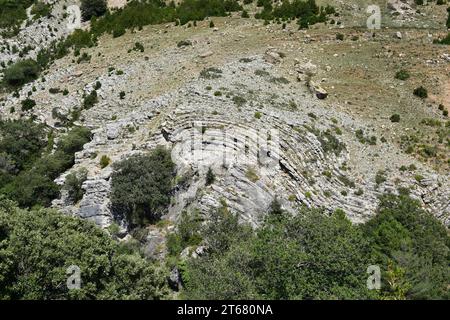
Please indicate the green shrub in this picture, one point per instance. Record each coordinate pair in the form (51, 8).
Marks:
(184, 43)
(118, 32)
(448, 20)
(141, 185)
(35, 184)
(380, 177)
(339, 36)
(41, 9)
(395, 118)
(421, 92)
(402, 75)
(21, 72)
(187, 233)
(92, 8)
(54, 90)
(90, 100)
(73, 183)
(21, 143)
(211, 73)
(210, 177)
(330, 143)
(138, 47)
(411, 241)
(104, 161)
(288, 257)
(28, 104)
(12, 13)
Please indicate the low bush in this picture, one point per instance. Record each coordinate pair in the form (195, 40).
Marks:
(104, 161)
(39, 246)
(73, 184)
(28, 104)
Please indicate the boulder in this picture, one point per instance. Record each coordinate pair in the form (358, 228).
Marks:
(316, 89)
(272, 57)
(205, 54)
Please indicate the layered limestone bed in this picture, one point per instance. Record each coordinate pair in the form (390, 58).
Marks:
(264, 137)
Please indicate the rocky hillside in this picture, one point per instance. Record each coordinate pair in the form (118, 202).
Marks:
(303, 116)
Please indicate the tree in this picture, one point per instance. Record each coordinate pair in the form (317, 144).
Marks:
(21, 72)
(93, 8)
(141, 185)
(22, 140)
(38, 246)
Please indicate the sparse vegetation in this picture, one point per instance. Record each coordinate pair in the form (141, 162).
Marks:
(211, 73)
(73, 184)
(28, 104)
(104, 161)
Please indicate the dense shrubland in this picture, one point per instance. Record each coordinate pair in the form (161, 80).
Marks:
(12, 13)
(37, 247)
(315, 256)
(93, 8)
